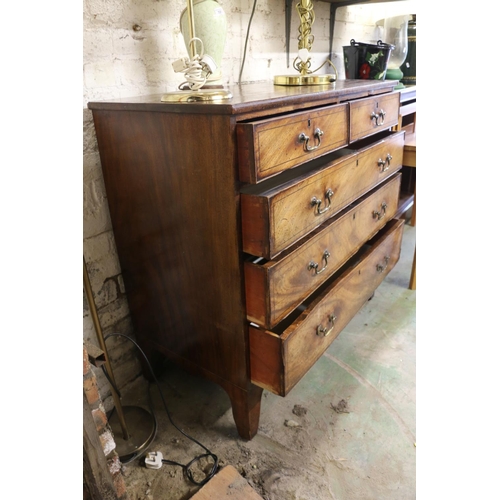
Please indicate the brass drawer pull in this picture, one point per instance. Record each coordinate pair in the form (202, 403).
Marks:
(322, 331)
(315, 265)
(315, 202)
(384, 165)
(305, 139)
(381, 268)
(378, 116)
(381, 214)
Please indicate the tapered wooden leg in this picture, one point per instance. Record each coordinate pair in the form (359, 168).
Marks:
(246, 409)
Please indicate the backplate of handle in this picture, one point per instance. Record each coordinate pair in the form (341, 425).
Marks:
(379, 215)
(322, 331)
(315, 265)
(305, 139)
(384, 165)
(381, 268)
(378, 117)
(316, 202)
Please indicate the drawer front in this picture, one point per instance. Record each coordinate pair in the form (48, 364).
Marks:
(274, 220)
(279, 359)
(268, 147)
(275, 288)
(372, 115)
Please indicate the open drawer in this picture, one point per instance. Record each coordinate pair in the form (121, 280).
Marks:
(280, 358)
(275, 214)
(269, 146)
(274, 288)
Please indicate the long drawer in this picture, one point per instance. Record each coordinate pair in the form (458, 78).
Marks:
(273, 145)
(275, 216)
(281, 357)
(275, 288)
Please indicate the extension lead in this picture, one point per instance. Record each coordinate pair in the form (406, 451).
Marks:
(154, 460)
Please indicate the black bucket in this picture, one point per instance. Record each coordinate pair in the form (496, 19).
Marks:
(366, 61)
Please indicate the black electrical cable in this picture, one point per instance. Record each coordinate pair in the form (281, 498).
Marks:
(106, 374)
(187, 467)
(246, 41)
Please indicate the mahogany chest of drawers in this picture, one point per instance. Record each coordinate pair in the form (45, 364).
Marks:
(250, 232)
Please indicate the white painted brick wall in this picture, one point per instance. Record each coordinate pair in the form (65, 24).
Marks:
(120, 61)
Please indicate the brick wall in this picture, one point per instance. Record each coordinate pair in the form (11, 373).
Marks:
(91, 392)
(129, 48)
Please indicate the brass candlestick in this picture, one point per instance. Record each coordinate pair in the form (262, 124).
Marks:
(137, 426)
(302, 63)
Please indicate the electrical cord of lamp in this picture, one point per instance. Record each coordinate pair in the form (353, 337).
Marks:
(186, 467)
(246, 43)
(246, 40)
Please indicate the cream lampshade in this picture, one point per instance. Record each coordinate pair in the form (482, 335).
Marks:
(210, 24)
(204, 28)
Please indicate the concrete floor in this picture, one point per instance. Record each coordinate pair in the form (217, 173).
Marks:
(361, 449)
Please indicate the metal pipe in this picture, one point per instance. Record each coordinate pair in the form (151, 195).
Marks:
(102, 344)
(192, 34)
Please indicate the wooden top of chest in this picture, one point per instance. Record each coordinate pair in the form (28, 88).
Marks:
(254, 99)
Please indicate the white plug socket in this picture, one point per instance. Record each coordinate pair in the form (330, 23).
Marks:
(154, 460)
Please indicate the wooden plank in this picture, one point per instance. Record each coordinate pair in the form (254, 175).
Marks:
(227, 483)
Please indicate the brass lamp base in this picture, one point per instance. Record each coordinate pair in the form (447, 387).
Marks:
(196, 95)
(141, 427)
(304, 79)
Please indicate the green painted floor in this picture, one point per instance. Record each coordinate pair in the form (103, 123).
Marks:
(347, 431)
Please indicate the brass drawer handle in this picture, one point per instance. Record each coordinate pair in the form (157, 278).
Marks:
(315, 265)
(305, 139)
(384, 165)
(381, 214)
(322, 331)
(378, 116)
(381, 268)
(315, 202)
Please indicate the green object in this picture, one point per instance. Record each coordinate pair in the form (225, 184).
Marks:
(409, 67)
(395, 74)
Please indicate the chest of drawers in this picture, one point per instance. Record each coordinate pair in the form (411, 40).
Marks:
(250, 232)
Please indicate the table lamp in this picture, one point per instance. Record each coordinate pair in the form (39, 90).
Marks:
(302, 63)
(202, 68)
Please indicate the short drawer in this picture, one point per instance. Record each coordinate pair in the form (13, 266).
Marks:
(268, 147)
(275, 288)
(372, 115)
(274, 217)
(281, 357)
